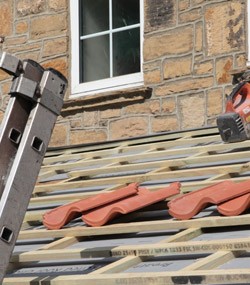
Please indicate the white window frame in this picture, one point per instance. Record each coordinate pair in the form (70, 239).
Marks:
(103, 85)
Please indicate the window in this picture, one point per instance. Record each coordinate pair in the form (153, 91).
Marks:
(106, 37)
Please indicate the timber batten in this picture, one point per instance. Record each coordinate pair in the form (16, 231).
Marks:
(147, 246)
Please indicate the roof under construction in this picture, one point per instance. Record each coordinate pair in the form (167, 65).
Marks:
(147, 246)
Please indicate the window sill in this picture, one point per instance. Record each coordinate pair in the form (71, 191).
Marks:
(109, 99)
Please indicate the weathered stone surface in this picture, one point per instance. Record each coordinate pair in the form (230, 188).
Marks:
(159, 14)
(223, 68)
(149, 107)
(225, 27)
(3, 75)
(90, 119)
(153, 77)
(48, 25)
(184, 5)
(1, 116)
(176, 67)
(168, 105)
(214, 101)
(87, 136)
(128, 127)
(151, 65)
(241, 61)
(110, 113)
(192, 111)
(177, 41)
(205, 67)
(17, 41)
(190, 16)
(58, 4)
(60, 135)
(27, 7)
(22, 27)
(184, 85)
(197, 2)
(60, 64)
(55, 47)
(6, 18)
(164, 123)
(76, 123)
(199, 37)
(5, 87)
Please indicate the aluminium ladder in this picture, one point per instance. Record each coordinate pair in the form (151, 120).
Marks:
(36, 99)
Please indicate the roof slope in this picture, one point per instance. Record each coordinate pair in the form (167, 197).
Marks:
(147, 246)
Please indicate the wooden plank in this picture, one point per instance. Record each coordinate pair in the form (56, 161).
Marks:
(214, 260)
(157, 249)
(81, 231)
(147, 155)
(182, 247)
(130, 261)
(139, 148)
(178, 174)
(230, 276)
(201, 152)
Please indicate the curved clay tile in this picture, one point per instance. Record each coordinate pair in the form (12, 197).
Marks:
(143, 198)
(190, 204)
(60, 216)
(235, 206)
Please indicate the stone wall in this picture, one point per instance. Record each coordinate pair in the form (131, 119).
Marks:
(190, 50)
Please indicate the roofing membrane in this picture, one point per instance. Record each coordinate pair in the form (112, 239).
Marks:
(147, 246)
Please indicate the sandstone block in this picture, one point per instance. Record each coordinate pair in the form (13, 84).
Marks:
(57, 5)
(241, 61)
(6, 18)
(87, 136)
(183, 5)
(177, 67)
(3, 75)
(59, 136)
(60, 64)
(223, 68)
(168, 105)
(22, 27)
(48, 25)
(199, 37)
(224, 27)
(27, 7)
(152, 77)
(110, 113)
(55, 47)
(159, 14)
(205, 67)
(76, 123)
(214, 102)
(128, 127)
(164, 123)
(90, 119)
(149, 107)
(173, 42)
(190, 16)
(192, 111)
(184, 85)
(197, 2)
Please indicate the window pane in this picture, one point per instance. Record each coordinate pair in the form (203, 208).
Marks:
(125, 12)
(95, 59)
(94, 15)
(126, 52)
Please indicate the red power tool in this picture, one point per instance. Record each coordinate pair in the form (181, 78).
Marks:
(234, 124)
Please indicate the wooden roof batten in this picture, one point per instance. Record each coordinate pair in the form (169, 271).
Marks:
(147, 246)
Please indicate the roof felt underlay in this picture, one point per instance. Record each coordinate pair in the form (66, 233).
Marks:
(147, 246)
